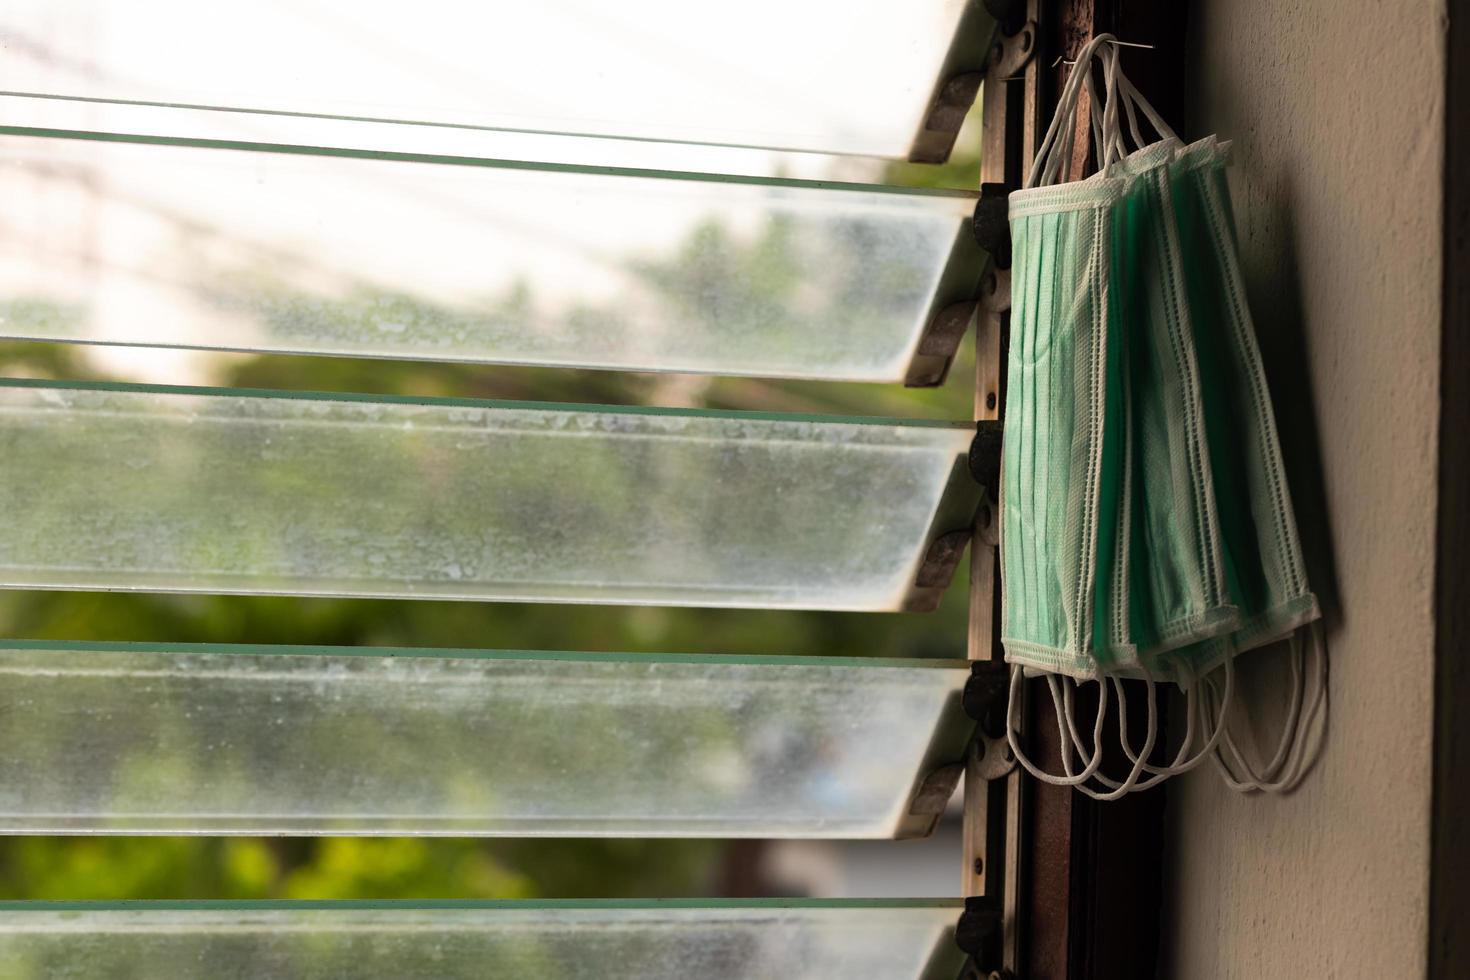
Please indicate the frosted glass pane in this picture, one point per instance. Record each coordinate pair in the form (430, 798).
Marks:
(262, 740)
(192, 490)
(525, 941)
(393, 255)
(851, 76)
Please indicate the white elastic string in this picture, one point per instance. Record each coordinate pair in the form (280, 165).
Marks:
(1012, 739)
(1048, 161)
(1314, 722)
(1191, 723)
(1098, 114)
(1099, 136)
(1130, 784)
(1103, 116)
(1294, 710)
(1138, 759)
(1114, 146)
(1197, 721)
(1061, 149)
(1131, 93)
(1060, 698)
(1067, 711)
(1206, 707)
(1062, 701)
(1132, 122)
(1207, 750)
(1112, 139)
(1228, 759)
(1064, 117)
(1296, 747)
(1195, 724)
(1056, 146)
(1191, 727)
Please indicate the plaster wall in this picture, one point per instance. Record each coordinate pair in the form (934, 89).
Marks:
(1336, 110)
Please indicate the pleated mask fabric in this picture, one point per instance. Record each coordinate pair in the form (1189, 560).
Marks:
(1263, 554)
(1053, 452)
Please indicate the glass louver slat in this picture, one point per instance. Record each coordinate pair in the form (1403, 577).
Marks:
(123, 487)
(33, 114)
(314, 251)
(146, 738)
(839, 76)
(590, 940)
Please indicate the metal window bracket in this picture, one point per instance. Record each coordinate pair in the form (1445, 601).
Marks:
(957, 83)
(984, 457)
(939, 342)
(940, 561)
(984, 700)
(995, 291)
(1010, 14)
(978, 934)
(991, 224)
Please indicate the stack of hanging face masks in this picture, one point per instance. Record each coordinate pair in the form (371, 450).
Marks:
(1146, 526)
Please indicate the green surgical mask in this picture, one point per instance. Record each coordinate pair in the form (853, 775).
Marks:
(1263, 555)
(1146, 530)
(1168, 569)
(1112, 548)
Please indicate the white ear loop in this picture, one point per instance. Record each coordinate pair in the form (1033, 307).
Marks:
(1056, 147)
(1103, 114)
(1132, 102)
(1048, 161)
(1132, 119)
(1133, 98)
(1061, 699)
(1192, 729)
(1299, 737)
(1129, 785)
(1119, 788)
(1196, 722)
(1112, 148)
(1042, 172)
(1288, 730)
(1070, 779)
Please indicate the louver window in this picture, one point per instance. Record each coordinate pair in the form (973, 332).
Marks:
(563, 188)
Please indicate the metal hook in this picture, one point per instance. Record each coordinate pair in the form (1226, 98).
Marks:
(1063, 61)
(1121, 44)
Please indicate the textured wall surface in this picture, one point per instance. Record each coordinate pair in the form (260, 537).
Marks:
(1336, 112)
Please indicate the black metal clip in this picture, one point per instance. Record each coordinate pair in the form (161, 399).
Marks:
(992, 223)
(985, 700)
(984, 457)
(1010, 14)
(979, 930)
(984, 697)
